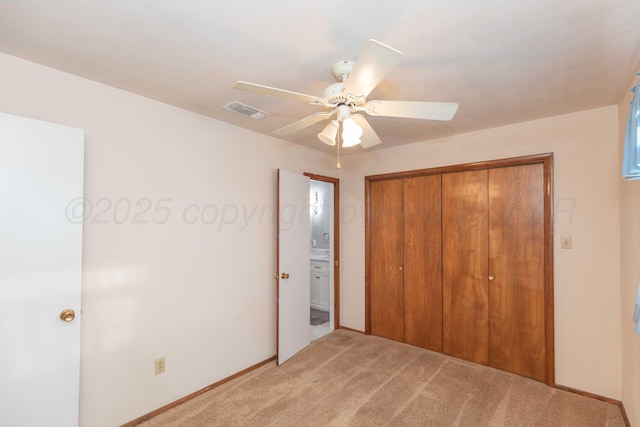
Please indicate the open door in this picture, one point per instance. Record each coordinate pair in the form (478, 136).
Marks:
(293, 264)
(41, 178)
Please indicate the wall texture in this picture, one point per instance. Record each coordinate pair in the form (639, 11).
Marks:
(188, 273)
(630, 276)
(586, 187)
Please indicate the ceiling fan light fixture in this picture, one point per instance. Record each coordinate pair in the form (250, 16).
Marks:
(351, 142)
(328, 134)
(351, 132)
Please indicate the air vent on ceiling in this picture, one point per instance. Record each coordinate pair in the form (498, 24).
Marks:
(248, 111)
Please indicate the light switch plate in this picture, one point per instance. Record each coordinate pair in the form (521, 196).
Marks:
(159, 366)
(565, 242)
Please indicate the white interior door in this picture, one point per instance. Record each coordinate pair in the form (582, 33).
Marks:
(41, 178)
(293, 264)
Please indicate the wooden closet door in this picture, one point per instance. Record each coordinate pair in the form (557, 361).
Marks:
(465, 269)
(423, 262)
(386, 298)
(516, 259)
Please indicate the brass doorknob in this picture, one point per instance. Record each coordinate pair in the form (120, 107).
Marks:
(401, 268)
(285, 275)
(67, 315)
(491, 277)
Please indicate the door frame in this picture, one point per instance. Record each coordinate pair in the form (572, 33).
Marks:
(547, 160)
(336, 243)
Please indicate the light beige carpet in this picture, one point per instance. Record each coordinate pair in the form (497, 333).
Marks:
(349, 379)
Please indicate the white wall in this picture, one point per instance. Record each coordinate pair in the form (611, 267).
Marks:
(630, 276)
(202, 295)
(587, 338)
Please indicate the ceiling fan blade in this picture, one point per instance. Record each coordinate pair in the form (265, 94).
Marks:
(266, 90)
(412, 110)
(369, 137)
(302, 123)
(373, 64)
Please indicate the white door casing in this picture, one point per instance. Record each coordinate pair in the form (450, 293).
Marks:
(41, 176)
(332, 257)
(293, 260)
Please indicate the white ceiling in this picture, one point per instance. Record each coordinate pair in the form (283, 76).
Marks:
(503, 61)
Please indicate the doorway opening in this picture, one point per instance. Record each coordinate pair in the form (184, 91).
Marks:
(323, 256)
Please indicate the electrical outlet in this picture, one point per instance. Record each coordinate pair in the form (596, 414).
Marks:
(565, 242)
(159, 366)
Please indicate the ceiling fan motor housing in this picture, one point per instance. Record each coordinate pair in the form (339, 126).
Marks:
(342, 69)
(333, 93)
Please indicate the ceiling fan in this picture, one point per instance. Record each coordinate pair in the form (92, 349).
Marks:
(347, 98)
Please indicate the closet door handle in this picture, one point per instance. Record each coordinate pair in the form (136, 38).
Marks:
(491, 277)
(401, 268)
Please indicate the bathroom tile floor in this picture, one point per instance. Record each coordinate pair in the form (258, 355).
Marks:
(318, 317)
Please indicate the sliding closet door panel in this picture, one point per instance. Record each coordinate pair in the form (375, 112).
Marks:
(385, 231)
(465, 269)
(423, 262)
(516, 260)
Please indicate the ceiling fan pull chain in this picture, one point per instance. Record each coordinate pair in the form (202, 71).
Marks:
(339, 143)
